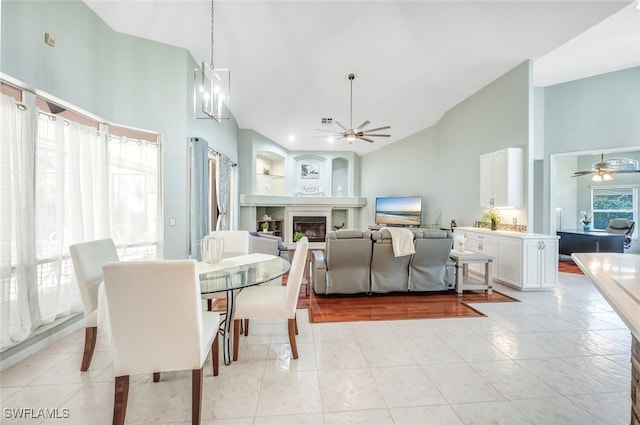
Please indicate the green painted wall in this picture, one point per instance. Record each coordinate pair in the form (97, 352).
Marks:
(442, 164)
(408, 167)
(595, 114)
(123, 79)
(77, 68)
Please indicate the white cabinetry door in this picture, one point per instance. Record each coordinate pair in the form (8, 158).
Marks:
(541, 263)
(501, 178)
(549, 266)
(486, 179)
(510, 261)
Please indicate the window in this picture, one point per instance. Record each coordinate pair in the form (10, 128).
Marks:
(63, 182)
(613, 202)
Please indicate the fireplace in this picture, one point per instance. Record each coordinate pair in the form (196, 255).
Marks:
(313, 227)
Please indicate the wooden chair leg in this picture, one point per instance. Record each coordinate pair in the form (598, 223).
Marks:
(292, 338)
(196, 395)
(209, 304)
(296, 322)
(90, 337)
(246, 327)
(120, 399)
(236, 338)
(215, 356)
(156, 376)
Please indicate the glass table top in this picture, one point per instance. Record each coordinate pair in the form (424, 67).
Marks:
(240, 272)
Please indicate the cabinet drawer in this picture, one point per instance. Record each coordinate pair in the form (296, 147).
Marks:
(482, 237)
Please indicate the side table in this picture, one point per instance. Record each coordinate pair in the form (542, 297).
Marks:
(463, 281)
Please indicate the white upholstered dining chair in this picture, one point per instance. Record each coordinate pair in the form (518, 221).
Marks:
(273, 301)
(88, 259)
(169, 333)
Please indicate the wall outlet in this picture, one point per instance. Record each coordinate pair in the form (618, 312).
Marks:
(172, 221)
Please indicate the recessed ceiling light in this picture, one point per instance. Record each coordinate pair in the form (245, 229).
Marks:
(292, 138)
(331, 139)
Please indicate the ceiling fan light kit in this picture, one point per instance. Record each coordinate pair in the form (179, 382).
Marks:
(352, 134)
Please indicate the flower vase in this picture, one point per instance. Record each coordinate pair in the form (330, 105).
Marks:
(586, 227)
(494, 224)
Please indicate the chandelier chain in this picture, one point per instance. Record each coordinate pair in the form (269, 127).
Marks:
(212, 22)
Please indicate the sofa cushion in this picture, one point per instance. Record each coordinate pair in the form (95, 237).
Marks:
(431, 234)
(381, 236)
(350, 234)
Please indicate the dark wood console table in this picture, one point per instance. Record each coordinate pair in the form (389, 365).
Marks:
(580, 241)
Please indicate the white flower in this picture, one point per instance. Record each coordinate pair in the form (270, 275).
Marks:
(586, 216)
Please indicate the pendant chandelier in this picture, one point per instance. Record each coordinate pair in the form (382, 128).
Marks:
(211, 88)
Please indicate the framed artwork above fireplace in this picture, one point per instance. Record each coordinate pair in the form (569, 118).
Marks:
(309, 171)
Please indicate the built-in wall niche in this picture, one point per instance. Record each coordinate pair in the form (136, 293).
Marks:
(311, 176)
(270, 168)
(339, 219)
(339, 177)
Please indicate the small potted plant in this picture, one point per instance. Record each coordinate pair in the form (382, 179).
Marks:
(493, 216)
(297, 236)
(265, 226)
(585, 218)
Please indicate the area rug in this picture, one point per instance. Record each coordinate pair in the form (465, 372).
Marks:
(401, 306)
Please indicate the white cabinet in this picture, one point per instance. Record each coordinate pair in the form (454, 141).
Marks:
(541, 264)
(526, 261)
(502, 178)
(510, 265)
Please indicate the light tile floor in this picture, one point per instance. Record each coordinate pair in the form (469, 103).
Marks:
(556, 357)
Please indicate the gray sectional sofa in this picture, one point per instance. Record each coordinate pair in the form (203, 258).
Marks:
(357, 261)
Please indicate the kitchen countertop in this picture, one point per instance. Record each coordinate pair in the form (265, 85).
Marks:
(510, 233)
(617, 277)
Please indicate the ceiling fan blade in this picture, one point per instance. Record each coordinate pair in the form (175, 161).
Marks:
(582, 173)
(328, 131)
(343, 127)
(376, 135)
(386, 127)
(365, 139)
(623, 171)
(363, 125)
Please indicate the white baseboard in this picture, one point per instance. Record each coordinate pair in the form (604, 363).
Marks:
(20, 354)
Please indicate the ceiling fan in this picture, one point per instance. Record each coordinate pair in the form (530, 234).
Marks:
(603, 169)
(358, 132)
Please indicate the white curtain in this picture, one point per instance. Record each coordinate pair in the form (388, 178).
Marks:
(17, 253)
(71, 206)
(135, 196)
(62, 183)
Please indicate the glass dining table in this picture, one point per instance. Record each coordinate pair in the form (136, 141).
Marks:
(232, 275)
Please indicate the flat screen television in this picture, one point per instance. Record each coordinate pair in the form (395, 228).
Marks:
(399, 210)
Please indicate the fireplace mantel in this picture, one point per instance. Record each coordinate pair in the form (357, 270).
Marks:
(338, 210)
(285, 201)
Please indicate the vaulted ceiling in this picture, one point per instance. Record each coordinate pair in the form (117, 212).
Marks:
(413, 60)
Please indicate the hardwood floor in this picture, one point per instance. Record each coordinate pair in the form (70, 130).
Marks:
(568, 266)
(363, 307)
(396, 306)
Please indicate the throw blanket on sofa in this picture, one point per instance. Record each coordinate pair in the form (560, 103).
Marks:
(402, 241)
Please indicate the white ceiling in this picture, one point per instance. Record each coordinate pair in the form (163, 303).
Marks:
(413, 60)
